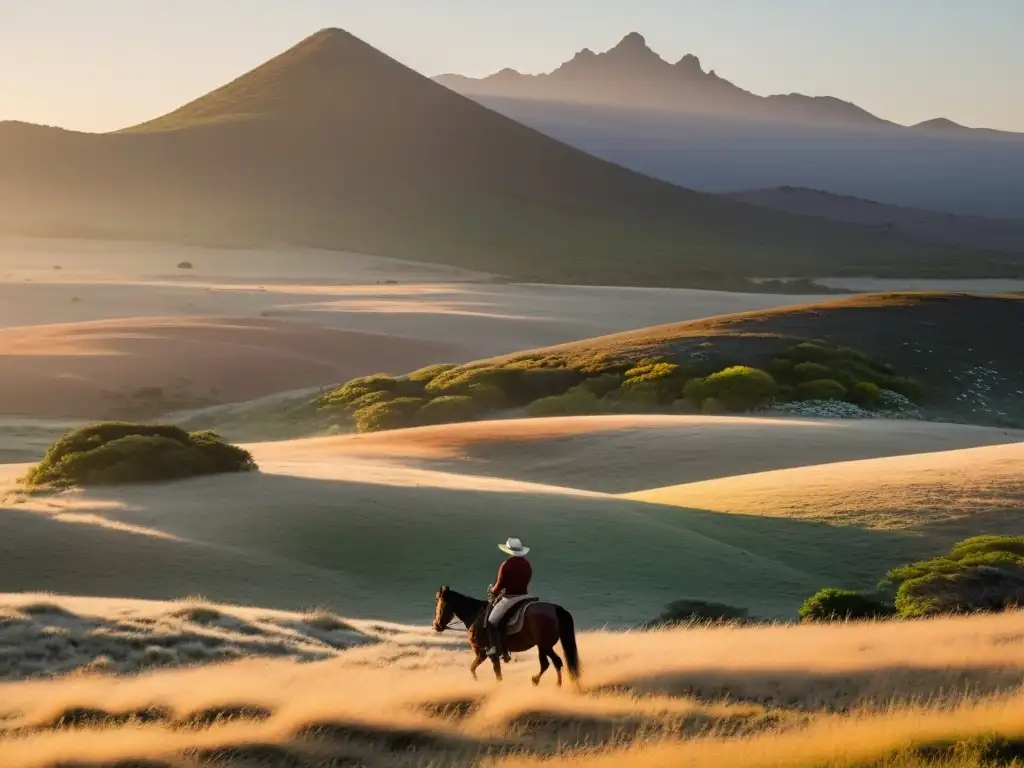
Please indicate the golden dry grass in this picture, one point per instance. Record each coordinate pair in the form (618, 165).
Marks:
(951, 488)
(779, 696)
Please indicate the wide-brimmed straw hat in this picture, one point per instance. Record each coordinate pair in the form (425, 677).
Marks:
(513, 547)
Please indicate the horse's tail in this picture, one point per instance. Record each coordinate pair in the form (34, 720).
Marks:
(567, 635)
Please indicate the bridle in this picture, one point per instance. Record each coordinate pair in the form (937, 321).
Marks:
(455, 618)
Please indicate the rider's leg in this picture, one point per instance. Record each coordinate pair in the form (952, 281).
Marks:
(493, 629)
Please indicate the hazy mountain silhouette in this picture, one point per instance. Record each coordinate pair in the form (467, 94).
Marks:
(967, 231)
(633, 75)
(334, 144)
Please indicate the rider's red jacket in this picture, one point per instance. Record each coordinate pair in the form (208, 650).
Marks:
(514, 577)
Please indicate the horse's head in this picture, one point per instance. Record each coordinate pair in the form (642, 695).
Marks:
(443, 611)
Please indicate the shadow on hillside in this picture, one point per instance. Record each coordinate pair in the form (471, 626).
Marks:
(620, 461)
(381, 551)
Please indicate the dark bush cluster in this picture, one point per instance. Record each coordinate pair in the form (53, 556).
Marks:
(688, 611)
(118, 452)
(820, 370)
(832, 604)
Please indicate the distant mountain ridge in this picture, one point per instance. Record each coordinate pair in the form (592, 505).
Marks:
(632, 75)
(334, 144)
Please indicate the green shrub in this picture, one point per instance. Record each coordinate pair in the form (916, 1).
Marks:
(902, 385)
(658, 369)
(833, 604)
(575, 402)
(812, 371)
(603, 384)
(487, 396)
(534, 383)
(821, 389)
(429, 372)
(354, 389)
(651, 385)
(685, 405)
(981, 545)
(712, 406)
(781, 368)
(519, 383)
(457, 381)
(450, 409)
(738, 388)
(786, 393)
(690, 611)
(370, 398)
(393, 414)
(119, 452)
(865, 394)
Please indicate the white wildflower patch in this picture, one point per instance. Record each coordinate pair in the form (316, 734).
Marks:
(981, 387)
(894, 406)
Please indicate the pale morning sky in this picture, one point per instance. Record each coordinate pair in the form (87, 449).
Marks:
(103, 64)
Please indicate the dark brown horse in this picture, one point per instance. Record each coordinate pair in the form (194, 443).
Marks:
(544, 625)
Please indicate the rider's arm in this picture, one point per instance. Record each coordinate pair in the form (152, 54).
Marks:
(499, 582)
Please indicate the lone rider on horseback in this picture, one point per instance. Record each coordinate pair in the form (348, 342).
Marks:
(511, 586)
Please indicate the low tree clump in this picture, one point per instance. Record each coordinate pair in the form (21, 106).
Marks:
(397, 413)
(980, 574)
(833, 604)
(866, 394)
(112, 453)
(687, 611)
(576, 402)
(449, 409)
(354, 389)
(651, 384)
(821, 389)
(430, 372)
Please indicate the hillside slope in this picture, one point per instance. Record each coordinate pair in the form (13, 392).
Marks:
(334, 144)
(954, 346)
(965, 231)
(949, 493)
(372, 527)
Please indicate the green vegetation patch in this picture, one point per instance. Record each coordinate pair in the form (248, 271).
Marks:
(111, 453)
(552, 384)
(982, 574)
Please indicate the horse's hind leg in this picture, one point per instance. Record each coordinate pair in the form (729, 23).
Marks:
(557, 661)
(496, 662)
(543, 665)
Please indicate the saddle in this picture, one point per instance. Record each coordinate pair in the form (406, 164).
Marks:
(517, 614)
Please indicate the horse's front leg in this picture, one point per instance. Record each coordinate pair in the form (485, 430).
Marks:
(480, 657)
